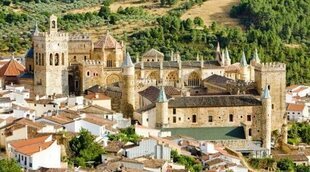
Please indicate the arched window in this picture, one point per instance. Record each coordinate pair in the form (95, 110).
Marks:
(56, 59)
(53, 24)
(40, 60)
(43, 59)
(250, 131)
(51, 59)
(37, 59)
(172, 77)
(193, 79)
(88, 73)
(62, 59)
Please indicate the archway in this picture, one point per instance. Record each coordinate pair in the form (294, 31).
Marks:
(172, 78)
(193, 79)
(112, 79)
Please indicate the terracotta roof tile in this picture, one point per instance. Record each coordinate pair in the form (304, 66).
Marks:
(31, 149)
(153, 53)
(25, 142)
(12, 68)
(107, 42)
(97, 96)
(295, 107)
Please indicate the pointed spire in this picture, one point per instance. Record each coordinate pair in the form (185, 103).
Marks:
(243, 62)
(36, 29)
(227, 54)
(266, 93)
(162, 95)
(127, 61)
(223, 55)
(255, 57)
(218, 48)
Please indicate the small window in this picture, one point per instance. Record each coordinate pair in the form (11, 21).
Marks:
(210, 119)
(249, 118)
(147, 120)
(179, 118)
(250, 132)
(231, 117)
(44, 105)
(174, 119)
(84, 57)
(194, 119)
(88, 73)
(174, 111)
(268, 87)
(272, 106)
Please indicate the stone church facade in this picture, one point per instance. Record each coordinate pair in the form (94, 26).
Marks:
(65, 63)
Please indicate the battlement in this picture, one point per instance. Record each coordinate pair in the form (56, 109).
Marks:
(52, 34)
(79, 37)
(270, 66)
(93, 62)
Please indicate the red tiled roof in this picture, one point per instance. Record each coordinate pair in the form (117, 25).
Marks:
(12, 68)
(97, 96)
(295, 107)
(31, 149)
(107, 42)
(26, 142)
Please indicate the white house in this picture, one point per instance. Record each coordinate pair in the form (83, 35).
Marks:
(297, 112)
(99, 99)
(96, 126)
(43, 105)
(35, 153)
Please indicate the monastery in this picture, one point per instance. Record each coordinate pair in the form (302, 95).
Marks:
(184, 97)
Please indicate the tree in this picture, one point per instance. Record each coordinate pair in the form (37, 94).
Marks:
(9, 165)
(84, 149)
(126, 135)
(104, 12)
(285, 165)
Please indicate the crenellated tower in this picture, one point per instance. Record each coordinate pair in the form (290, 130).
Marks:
(51, 60)
(274, 76)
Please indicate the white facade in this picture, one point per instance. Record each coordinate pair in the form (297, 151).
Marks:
(94, 129)
(48, 158)
(299, 115)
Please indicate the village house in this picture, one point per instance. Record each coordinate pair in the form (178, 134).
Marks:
(35, 153)
(298, 112)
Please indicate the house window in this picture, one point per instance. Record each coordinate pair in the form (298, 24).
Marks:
(231, 117)
(88, 73)
(174, 119)
(250, 132)
(174, 111)
(210, 119)
(147, 120)
(194, 119)
(84, 57)
(268, 87)
(249, 118)
(179, 118)
(30, 164)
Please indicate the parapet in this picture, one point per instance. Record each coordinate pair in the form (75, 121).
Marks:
(79, 37)
(93, 62)
(271, 66)
(52, 34)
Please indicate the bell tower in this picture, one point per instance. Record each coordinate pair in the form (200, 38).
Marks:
(51, 61)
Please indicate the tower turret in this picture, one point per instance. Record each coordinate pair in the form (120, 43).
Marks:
(227, 60)
(266, 118)
(53, 24)
(128, 85)
(255, 59)
(244, 70)
(162, 109)
(218, 52)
